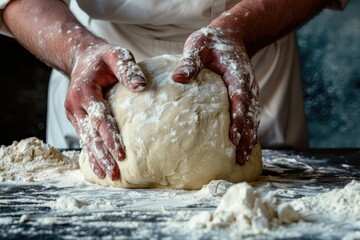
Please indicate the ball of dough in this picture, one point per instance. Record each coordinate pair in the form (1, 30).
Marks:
(175, 135)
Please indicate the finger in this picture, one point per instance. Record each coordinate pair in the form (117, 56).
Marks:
(92, 142)
(249, 138)
(83, 140)
(187, 68)
(104, 159)
(104, 123)
(239, 102)
(92, 139)
(106, 142)
(127, 71)
(95, 167)
(72, 119)
(246, 144)
(197, 48)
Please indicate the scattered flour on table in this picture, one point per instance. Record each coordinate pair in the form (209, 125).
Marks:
(74, 204)
(67, 203)
(243, 212)
(337, 205)
(245, 209)
(31, 160)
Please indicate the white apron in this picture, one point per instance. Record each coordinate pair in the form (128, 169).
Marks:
(155, 27)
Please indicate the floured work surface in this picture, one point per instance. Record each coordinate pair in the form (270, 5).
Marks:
(64, 206)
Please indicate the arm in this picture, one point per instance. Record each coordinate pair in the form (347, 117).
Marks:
(50, 31)
(45, 32)
(257, 23)
(226, 46)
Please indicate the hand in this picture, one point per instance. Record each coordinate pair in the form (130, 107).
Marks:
(96, 68)
(220, 52)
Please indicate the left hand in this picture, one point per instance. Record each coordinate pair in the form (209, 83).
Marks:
(225, 54)
(98, 67)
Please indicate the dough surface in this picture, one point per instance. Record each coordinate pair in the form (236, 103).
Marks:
(175, 135)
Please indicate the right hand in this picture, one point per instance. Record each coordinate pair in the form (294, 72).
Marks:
(96, 68)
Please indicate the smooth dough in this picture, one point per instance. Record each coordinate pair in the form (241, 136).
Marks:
(175, 135)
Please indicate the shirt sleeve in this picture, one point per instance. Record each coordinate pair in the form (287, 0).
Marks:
(3, 28)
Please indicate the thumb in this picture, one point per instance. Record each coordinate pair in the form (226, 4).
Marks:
(187, 68)
(126, 70)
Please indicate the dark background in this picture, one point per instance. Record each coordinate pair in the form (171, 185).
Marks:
(330, 64)
(330, 53)
(24, 81)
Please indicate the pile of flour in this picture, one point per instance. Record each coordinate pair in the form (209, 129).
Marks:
(32, 160)
(243, 211)
(244, 208)
(338, 205)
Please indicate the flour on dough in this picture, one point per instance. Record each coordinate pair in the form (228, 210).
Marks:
(175, 135)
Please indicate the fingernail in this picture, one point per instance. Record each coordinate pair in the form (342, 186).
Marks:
(122, 154)
(100, 174)
(185, 72)
(241, 159)
(235, 137)
(138, 83)
(114, 174)
(119, 151)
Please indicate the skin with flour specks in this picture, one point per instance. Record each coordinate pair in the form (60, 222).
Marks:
(175, 135)
(50, 31)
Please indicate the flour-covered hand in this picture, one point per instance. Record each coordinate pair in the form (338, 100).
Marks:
(96, 68)
(216, 49)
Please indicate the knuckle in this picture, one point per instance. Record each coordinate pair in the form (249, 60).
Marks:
(70, 117)
(123, 54)
(97, 124)
(68, 106)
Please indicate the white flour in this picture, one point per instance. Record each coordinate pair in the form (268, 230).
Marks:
(244, 208)
(338, 205)
(242, 212)
(31, 160)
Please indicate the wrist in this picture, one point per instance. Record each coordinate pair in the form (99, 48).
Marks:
(261, 22)
(79, 42)
(234, 24)
(234, 34)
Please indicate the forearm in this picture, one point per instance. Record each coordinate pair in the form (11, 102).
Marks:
(48, 29)
(257, 23)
